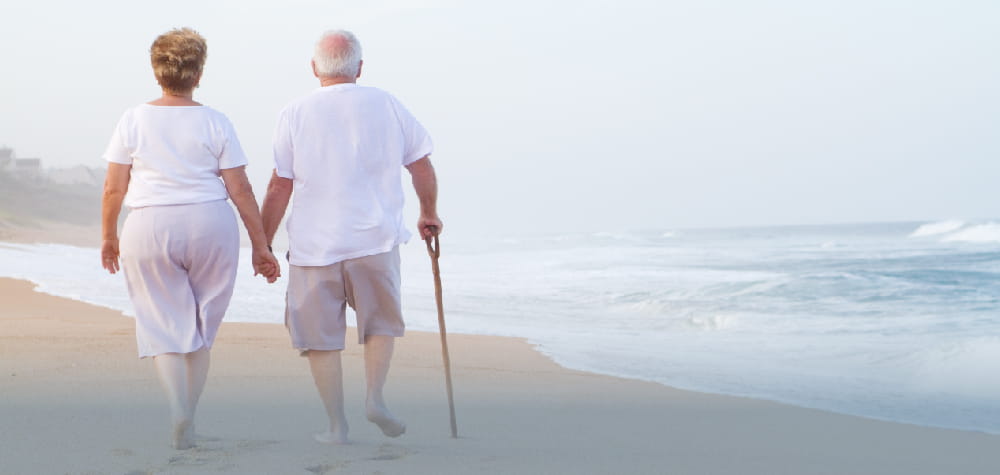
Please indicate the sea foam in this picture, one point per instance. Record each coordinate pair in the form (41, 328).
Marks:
(981, 233)
(938, 228)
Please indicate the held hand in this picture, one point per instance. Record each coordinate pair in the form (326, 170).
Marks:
(429, 226)
(269, 271)
(264, 263)
(109, 255)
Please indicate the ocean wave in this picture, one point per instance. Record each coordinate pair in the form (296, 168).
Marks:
(614, 236)
(877, 327)
(938, 228)
(665, 315)
(981, 233)
(715, 322)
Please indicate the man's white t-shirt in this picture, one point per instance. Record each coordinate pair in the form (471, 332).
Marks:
(176, 153)
(344, 147)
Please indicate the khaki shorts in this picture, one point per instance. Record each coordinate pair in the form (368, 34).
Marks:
(318, 296)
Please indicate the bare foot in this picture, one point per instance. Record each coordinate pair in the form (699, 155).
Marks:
(333, 438)
(182, 437)
(380, 416)
(195, 437)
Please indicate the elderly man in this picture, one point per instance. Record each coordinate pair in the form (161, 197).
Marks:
(341, 149)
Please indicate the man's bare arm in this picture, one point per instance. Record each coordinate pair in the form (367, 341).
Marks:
(425, 184)
(279, 192)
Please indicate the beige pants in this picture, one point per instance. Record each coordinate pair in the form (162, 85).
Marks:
(316, 305)
(180, 266)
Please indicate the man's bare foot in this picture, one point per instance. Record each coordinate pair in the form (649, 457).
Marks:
(380, 416)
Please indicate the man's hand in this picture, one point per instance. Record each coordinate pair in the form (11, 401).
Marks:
(429, 226)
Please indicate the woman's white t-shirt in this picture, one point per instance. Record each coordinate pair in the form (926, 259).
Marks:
(176, 153)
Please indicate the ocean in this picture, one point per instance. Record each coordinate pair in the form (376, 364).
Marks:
(892, 321)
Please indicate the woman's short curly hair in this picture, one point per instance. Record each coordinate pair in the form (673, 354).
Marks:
(178, 57)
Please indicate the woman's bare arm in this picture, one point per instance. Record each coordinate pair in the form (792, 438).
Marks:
(242, 195)
(115, 186)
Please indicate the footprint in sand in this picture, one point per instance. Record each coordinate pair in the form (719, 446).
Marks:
(254, 444)
(216, 453)
(122, 452)
(389, 452)
(195, 457)
(324, 468)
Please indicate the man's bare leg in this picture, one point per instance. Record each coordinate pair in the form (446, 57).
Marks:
(328, 375)
(378, 355)
(172, 369)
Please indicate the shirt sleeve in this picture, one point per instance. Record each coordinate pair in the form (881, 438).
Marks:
(118, 150)
(416, 141)
(231, 154)
(282, 146)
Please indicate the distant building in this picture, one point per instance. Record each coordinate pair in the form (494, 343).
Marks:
(27, 168)
(6, 158)
(30, 170)
(78, 175)
(24, 169)
(20, 167)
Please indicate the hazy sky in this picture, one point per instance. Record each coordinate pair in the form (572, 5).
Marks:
(576, 115)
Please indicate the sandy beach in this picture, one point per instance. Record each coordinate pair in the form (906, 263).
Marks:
(763, 240)
(75, 399)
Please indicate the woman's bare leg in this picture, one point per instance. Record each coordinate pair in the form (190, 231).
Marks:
(172, 368)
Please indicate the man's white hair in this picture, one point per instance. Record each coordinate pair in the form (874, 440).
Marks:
(337, 58)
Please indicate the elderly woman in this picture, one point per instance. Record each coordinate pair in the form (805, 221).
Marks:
(180, 243)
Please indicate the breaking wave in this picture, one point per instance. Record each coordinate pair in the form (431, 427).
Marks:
(982, 233)
(938, 228)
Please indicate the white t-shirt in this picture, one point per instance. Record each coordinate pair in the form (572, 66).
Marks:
(176, 153)
(344, 148)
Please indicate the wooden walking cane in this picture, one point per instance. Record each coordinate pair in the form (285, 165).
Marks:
(435, 252)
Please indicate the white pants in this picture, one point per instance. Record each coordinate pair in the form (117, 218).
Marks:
(180, 266)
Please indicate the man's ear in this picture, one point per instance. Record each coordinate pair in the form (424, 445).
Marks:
(361, 63)
(312, 62)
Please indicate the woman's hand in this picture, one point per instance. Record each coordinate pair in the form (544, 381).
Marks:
(115, 187)
(109, 255)
(265, 264)
(241, 193)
